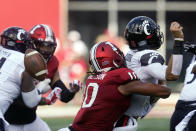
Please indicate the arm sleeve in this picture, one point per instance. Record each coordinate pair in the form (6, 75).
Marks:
(66, 95)
(156, 70)
(177, 64)
(32, 98)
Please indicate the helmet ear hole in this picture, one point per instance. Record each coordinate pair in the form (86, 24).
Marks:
(102, 48)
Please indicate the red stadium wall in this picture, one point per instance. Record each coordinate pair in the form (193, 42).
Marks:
(26, 13)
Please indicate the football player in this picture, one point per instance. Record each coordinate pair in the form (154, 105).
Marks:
(144, 38)
(20, 116)
(14, 80)
(109, 89)
(184, 116)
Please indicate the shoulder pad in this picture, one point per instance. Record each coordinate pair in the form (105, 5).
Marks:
(150, 58)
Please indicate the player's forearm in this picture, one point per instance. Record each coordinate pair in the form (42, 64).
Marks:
(66, 95)
(175, 62)
(154, 90)
(147, 88)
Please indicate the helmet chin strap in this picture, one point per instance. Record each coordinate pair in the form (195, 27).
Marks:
(115, 64)
(106, 69)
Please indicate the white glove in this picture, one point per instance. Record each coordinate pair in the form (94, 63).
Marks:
(54, 95)
(43, 86)
(75, 86)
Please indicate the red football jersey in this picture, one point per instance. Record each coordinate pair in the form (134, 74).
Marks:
(52, 66)
(103, 104)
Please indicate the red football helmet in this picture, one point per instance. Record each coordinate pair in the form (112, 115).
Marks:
(44, 40)
(105, 56)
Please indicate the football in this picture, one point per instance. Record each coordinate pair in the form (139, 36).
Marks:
(35, 64)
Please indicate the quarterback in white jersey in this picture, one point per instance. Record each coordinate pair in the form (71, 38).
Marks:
(13, 77)
(144, 37)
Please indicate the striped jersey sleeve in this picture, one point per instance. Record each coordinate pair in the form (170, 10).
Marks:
(127, 75)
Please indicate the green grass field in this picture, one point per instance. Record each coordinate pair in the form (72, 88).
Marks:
(147, 124)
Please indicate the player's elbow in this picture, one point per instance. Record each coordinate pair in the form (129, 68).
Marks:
(171, 77)
(32, 98)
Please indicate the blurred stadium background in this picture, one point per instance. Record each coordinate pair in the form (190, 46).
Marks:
(78, 24)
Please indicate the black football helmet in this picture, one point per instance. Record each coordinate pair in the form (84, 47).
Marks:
(15, 38)
(143, 33)
(44, 40)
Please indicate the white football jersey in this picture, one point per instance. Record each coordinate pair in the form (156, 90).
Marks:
(149, 67)
(11, 68)
(188, 92)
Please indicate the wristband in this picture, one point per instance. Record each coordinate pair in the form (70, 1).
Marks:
(179, 39)
(178, 47)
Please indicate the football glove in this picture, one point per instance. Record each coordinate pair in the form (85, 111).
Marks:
(54, 95)
(43, 86)
(75, 86)
(190, 47)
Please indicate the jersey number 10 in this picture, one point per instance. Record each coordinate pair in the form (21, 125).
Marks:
(95, 88)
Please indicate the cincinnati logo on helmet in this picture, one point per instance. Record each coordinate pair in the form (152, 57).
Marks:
(146, 25)
(21, 34)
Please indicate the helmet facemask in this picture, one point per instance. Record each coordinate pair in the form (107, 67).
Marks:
(47, 49)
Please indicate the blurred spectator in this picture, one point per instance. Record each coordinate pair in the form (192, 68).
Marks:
(117, 40)
(78, 46)
(72, 57)
(78, 67)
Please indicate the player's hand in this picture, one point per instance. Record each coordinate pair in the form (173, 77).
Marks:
(54, 95)
(190, 47)
(75, 86)
(194, 69)
(43, 86)
(176, 30)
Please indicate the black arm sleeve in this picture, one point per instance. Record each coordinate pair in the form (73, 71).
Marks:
(178, 47)
(66, 95)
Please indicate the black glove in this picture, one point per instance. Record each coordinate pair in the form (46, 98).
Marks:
(190, 47)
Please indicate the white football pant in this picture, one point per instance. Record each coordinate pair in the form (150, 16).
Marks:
(131, 125)
(37, 125)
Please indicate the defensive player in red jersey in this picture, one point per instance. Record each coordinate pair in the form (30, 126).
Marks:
(108, 90)
(20, 116)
